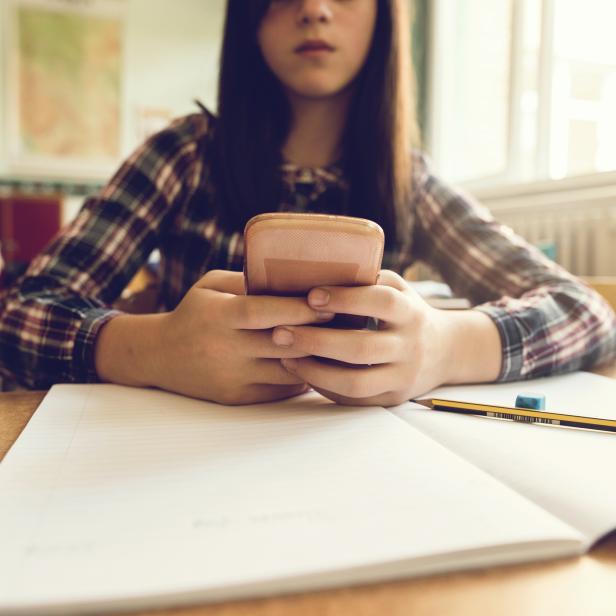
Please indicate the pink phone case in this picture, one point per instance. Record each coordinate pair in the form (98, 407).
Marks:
(289, 253)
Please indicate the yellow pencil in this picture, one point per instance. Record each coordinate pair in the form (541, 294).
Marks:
(519, 414)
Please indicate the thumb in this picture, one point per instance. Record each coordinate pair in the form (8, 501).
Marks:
(389, 278)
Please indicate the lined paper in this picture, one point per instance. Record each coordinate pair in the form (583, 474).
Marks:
(568, 472)
(119, 497)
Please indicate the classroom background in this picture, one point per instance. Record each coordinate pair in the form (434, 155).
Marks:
(516, 104)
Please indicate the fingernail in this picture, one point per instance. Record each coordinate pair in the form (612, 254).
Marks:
(289, 364)
(318, 297)
(283, 336)
(323, 316)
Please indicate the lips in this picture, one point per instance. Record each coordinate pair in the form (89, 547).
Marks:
(313, 45)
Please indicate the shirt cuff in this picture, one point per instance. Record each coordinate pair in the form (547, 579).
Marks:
(84, 367)
(511, 342)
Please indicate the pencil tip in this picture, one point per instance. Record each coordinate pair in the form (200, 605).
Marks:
(424, 402)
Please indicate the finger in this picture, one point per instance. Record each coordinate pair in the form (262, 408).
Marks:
(382, 302)
(255, 394)
(223, 281)
(266, 311)
(259, 344)
(390, 398)
(351, 346)
(343, 380)
(272, 372)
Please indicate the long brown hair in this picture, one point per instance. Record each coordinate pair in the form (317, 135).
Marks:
(254, 120)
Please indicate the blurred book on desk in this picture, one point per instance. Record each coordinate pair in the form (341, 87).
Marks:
(439, 295)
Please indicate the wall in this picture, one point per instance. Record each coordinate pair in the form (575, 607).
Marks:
(2, 82)
(170, 57)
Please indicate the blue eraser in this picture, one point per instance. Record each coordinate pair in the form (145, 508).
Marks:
(536, 402)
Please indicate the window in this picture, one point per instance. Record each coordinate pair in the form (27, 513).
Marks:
(522, 90)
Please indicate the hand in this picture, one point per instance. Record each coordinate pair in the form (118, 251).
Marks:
(215, 345)
(414, 350)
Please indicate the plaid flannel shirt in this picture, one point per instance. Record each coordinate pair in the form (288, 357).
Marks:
(161, 198)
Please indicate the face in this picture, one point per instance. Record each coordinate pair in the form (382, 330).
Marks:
(316, 48)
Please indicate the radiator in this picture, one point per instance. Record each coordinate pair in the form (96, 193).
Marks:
(580, 226)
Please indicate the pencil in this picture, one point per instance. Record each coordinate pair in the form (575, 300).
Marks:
(519, 414)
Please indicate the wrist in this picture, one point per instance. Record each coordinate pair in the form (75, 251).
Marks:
(471, 349)
(128, 350)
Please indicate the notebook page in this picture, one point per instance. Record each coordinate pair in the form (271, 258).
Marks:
(568, 472)
(116, 497)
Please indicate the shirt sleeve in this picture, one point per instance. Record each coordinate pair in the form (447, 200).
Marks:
(548, 320)
(50, 319)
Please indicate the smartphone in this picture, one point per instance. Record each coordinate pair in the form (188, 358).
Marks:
(288, 253)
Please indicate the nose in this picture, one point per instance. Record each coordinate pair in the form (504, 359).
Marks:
(314, 11)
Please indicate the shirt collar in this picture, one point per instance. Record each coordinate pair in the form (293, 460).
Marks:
(321, 178)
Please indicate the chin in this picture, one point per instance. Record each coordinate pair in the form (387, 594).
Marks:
(316, 89)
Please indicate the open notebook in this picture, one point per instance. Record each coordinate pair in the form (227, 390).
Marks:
(117, 498)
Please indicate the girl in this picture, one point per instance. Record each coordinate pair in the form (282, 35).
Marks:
(314, 115)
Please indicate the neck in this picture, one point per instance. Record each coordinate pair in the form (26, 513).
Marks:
(317, 128)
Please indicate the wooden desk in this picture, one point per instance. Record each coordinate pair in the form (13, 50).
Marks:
(568, 587)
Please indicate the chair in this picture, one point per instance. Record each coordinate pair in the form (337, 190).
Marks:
(141, 294)
(605, 286)
(27, 224)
